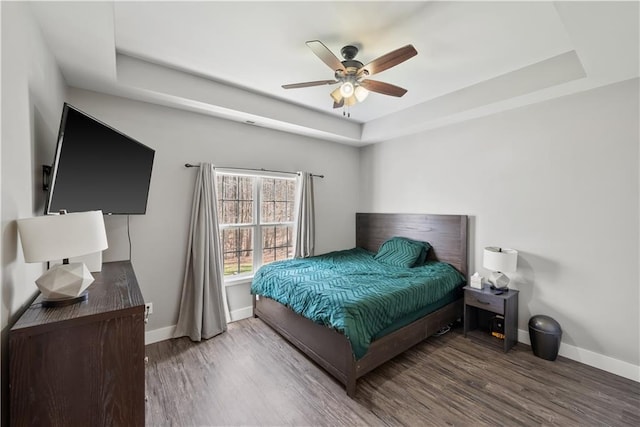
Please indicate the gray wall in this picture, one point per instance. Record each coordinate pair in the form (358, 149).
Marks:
(33, 91)
(557, 181)
(159, 238)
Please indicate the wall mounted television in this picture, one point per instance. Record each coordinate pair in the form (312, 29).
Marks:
(97, 167)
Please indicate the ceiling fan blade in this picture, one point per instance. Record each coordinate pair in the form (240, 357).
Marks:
(338, 104)
(389, 60)
(325, 55)
(383, 88)
(309, 84)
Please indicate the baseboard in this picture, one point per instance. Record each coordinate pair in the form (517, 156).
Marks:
(241, 313)
(162, 334)
(588, 357)
(158, 335)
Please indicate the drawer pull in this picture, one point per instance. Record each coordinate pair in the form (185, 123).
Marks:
(482, 302)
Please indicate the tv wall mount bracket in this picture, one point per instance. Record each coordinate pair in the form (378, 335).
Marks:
(46, 177)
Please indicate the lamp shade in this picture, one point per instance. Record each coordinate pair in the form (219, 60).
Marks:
(52, 237)
(500, 259)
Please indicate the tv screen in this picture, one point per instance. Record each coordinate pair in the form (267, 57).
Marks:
(98, 168)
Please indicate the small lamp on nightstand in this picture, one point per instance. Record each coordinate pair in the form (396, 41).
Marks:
(53, 237)
(499, 261)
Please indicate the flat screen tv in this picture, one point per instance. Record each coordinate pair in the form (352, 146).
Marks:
(97, 167)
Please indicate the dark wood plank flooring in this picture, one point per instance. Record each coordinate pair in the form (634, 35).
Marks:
(251, 376)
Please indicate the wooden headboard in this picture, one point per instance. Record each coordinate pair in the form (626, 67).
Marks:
(447, 234)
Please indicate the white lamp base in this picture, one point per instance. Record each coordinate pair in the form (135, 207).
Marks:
(499, 280)
(65, 281)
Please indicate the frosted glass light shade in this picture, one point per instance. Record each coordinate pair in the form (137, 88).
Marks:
(51, 237)
(336, 95)
(361, 93)
(346, 90)
(348, 102)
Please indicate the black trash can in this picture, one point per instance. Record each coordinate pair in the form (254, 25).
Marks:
(545, 334)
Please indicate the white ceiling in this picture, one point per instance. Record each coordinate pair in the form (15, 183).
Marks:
(229, 59)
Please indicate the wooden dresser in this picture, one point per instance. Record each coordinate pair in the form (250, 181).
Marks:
(81, 365)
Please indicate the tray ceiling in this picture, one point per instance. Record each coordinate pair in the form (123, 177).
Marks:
(230, 59)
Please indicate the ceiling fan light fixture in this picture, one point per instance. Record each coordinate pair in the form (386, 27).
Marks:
(351, 74)
(348, 102)
(347, 89)
(361, 93)
(336, 95)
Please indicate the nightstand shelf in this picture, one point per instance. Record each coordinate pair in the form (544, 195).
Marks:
(481, 305)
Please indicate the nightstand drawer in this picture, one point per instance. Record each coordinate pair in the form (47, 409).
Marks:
(485, 302)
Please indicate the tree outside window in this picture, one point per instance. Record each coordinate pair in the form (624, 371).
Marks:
(254, 212)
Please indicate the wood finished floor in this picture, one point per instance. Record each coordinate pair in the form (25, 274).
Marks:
(251, 376)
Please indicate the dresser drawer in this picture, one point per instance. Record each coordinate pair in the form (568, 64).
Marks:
(485, 302)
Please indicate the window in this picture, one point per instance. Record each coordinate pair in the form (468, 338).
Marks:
(254, 212)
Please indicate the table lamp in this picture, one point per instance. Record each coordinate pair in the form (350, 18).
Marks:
(499, 260)
(63, 236)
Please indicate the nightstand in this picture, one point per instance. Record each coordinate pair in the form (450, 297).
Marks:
(481, 305)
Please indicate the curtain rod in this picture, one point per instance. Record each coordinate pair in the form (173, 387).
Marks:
(189, 165)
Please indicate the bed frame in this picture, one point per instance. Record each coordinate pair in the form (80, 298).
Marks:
(447, 235)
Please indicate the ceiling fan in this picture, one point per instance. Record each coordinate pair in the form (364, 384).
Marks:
(352, 74)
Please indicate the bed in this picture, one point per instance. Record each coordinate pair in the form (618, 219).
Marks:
(331, 349)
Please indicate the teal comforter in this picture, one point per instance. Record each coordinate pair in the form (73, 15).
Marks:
(352, 292)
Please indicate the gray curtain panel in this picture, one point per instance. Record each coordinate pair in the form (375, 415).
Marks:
(203, 305)
(305, 232)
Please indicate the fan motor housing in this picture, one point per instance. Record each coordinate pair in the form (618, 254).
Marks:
(352, 63)
(349, 52)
